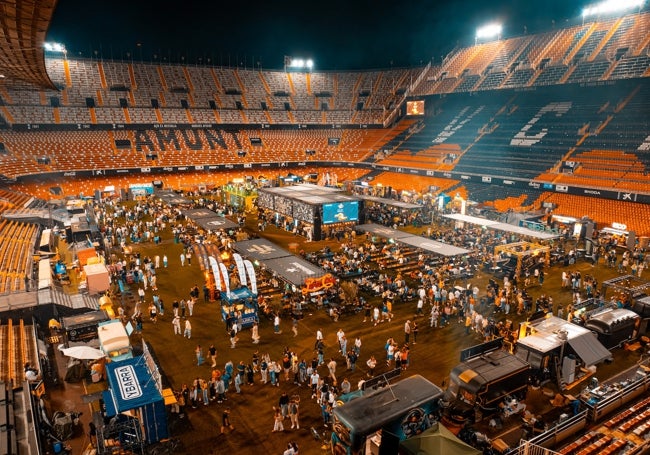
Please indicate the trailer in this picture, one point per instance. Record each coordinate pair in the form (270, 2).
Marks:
(114, 341)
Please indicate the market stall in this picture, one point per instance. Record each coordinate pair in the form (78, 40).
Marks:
(239, 303)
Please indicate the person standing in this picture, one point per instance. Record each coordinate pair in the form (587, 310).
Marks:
(294, 326)
(371, 363)
(319, 337)
(212, 351)
(255, 335)
(176, 323)
(165, 261)
(225, 421)
(407, 331)
(182, 259)
(199, 355)
(283, 403)
(277, 420)
(188, 329)
(414, 331)
(293, 412)
(276, 324)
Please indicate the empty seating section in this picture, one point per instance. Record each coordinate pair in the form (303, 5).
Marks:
(589, 71)
(503, 198)
(631, 67)
(17, 241)
(17, 347)
(603, 211)
(413, 182)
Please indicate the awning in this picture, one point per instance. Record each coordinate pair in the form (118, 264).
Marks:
(589, 349)
(130, 385)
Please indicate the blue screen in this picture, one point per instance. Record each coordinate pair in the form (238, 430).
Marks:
(340, 212)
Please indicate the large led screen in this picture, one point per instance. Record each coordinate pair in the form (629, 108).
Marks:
(340, 212)
(415, 107)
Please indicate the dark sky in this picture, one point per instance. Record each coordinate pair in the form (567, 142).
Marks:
(336, 34)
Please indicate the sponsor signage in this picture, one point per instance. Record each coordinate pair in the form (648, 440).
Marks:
(127, 382)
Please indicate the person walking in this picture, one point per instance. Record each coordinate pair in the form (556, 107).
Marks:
(182, 259)
(176, 323)
(212, 351)
(294, 326)
(331, 368)
(188, 329)
(225, 421)
(165, 261)
(276, 324)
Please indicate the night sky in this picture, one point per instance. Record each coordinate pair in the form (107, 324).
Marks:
(337, 34)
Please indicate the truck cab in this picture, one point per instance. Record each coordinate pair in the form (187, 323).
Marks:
(114, 341)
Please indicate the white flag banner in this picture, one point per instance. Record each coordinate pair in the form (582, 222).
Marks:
(240, 268)
(225, 276)
(215, 272)
(251, 276)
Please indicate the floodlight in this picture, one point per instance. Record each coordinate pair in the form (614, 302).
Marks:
(54, 47)
(488, 31)
(309, 63)
(609, 6)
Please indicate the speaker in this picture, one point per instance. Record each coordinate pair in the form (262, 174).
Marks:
(154, 103)
(238, 105)
(184, 104)
(90, 102)
(123, 103)
(212, 104)
(241, 153)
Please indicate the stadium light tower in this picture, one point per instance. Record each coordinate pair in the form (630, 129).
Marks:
(298, 64)
(488, 31)
(56, 48)
(611, 6)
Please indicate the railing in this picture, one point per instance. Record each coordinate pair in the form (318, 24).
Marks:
(528, 448)
(558, 433)
(636, 387)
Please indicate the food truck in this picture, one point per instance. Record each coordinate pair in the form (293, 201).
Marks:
(83, 327)
(114, 341)
(482, 383)
(378, 420)
(559, 350)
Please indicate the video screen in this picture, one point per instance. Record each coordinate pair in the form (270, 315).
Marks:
(340, 212)
(415, 107)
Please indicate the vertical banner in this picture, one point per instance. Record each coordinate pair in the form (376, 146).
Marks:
(251, 276)
(225, 276)
(240, 268)
(215, 271)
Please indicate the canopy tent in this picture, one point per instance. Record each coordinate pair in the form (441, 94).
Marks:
(437, 440)
(171, 197)
(505, 227)
(389, 202)
(424, 243)
(293, 269)
(83, 353)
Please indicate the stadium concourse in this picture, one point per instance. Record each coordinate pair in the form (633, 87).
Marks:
(434, 354)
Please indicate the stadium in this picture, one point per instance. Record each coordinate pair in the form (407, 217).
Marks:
(548, 133)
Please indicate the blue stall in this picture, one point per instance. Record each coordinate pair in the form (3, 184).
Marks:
(240, 302)
(134, 389)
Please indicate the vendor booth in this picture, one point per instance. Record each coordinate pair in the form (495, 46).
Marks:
(135, 393)
(436, 440)
(97, 278)
(239, 302)
(526, 256)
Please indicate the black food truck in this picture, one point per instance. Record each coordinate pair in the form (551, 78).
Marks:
(376, 421)
(483, 384)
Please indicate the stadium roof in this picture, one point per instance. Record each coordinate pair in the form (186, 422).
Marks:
(22, 34)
